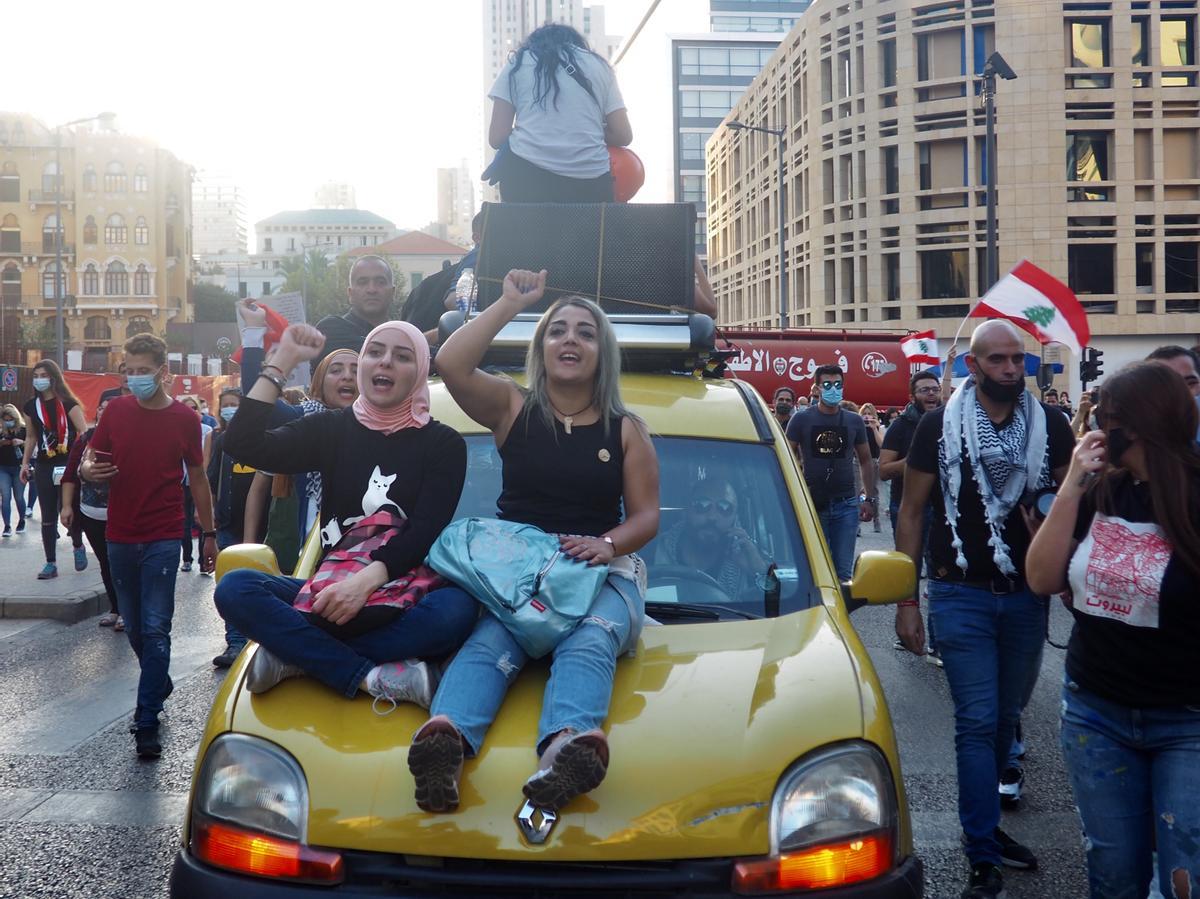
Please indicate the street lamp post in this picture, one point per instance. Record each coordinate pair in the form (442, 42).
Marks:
(994, 66)
(783, 278)
(106, 117)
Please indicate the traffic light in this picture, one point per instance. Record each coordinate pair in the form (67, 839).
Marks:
(1091, 367)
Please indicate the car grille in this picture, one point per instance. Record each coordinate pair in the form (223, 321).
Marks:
(368, 872)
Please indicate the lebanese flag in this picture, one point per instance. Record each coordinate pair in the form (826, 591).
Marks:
(1038, 303)
(921, 349)
(276, 325)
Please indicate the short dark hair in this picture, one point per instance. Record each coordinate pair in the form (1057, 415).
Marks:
(374, 257)
(830, 369)
(783, 389)
(477, 224)
(1173, 351)
(147, 345)
(924, 374)
(1051, 392)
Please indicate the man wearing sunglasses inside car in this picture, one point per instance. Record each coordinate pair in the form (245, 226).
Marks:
(829, 441)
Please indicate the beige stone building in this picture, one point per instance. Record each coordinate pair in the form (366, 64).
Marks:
(1098, 167)
(126, 207)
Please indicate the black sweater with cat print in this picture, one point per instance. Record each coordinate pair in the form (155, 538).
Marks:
(419, 471)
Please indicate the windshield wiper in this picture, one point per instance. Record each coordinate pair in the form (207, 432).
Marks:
(690, 610)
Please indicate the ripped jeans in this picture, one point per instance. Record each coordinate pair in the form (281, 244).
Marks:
(581, 677)
(1136, 778)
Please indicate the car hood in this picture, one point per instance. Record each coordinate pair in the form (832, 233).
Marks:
(704, 719)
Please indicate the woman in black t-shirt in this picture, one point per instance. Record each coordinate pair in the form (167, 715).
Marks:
(1127, 550)
(573, 457)
(55, 418)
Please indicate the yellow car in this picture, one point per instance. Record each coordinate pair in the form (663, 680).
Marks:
(752, 749)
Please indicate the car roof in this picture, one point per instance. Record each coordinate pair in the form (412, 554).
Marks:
(672, 405)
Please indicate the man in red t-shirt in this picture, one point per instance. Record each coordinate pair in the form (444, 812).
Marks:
(137, 448)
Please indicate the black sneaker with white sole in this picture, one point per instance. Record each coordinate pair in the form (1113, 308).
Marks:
(1011, 782)
(1013, 854)
(987, 882)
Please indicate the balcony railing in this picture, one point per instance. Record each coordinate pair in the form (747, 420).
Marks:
(37, 195)
(34, 248)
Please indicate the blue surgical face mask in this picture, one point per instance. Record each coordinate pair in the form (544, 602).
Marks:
(831, 396)
(142, 386)
(41, 385)
(10, 424)
(228, 412)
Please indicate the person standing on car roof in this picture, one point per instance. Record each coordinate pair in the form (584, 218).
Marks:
(980, 459)
(830, 441)
(574, 459)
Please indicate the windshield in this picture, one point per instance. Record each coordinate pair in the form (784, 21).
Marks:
(727, 539)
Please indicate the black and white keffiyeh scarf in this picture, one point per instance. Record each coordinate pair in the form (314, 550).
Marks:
(1007, 464)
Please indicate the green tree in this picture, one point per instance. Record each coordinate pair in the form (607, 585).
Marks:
(213, 304)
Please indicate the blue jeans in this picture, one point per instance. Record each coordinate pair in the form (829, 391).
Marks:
(234, 638)
(839, 521)
(259, 605)
(11, 489)
(991, 647)
(144, 577)
(581, 677)
(1136, 778)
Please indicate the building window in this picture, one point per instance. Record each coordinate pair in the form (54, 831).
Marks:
(1181, 268)
(10, 183)
(984, 40)
(266, 289)
(141, 183)
(942, 163)
(10, 235)
(90, 281)
(89, 178)
(50, 179)
(141, 231)
(115, 232)
(415, 278)
(941, 54)
(97, 329)
(691, 146)
(707, 104)
(891, 276)
(90, 230)
(887, 62)
(139, 324)
(116, 280)
(291, 243)
(115, 180)
(49, 279)
(267, 245)
(1090, 268)
(1088, 43)
(693, 189)
(1087, 160)
(1145, 268)
(141, 281)
(944, 274)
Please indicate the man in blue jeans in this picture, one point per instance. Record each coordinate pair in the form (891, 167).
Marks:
(829, 441)
(979, 460)
(138, 448)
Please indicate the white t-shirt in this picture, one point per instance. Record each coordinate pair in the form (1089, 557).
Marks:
(568, 139)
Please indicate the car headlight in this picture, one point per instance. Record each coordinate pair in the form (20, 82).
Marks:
(254, 784)
(250, 814)
(833, 822)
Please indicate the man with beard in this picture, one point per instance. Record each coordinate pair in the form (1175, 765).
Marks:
(371, 291)
(784, 404)
(980, 459)
(711, 540)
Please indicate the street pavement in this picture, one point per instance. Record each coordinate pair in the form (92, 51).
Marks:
(81, 816)
(71, 596)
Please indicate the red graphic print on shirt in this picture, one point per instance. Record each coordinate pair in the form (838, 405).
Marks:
(1118, 571)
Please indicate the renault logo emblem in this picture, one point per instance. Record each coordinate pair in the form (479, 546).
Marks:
(535, 822)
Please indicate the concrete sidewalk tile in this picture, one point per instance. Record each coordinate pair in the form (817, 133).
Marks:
(112, 807)
(70, 597)
(15, 804)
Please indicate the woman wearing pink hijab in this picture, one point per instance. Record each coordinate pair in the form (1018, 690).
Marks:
(382, 454)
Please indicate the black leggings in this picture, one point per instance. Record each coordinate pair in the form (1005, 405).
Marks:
(524, 182)
(94, 530)
(48, 502)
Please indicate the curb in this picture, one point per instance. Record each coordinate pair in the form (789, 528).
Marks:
(69, 609)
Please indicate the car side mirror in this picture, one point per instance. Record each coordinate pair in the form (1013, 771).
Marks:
(880, 578)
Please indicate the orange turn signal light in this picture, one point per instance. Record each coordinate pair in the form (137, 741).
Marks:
(816, 868)
(248, 852)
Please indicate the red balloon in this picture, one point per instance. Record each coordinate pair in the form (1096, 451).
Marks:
(628, 173)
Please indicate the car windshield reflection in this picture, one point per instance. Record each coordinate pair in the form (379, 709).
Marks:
(728, 545)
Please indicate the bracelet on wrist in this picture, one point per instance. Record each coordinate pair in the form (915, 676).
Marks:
(209, 535)
(909, 603)
(274, 379)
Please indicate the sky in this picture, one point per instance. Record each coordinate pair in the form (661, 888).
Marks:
(282, 97)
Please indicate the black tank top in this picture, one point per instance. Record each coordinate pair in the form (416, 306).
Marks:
(562, 483)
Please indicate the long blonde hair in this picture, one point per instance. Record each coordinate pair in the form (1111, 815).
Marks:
(12, 411)
(606, 388)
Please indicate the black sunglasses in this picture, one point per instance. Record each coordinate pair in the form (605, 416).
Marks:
(705, 506)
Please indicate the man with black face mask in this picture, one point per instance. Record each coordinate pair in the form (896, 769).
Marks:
(784, 403)
(978, 459)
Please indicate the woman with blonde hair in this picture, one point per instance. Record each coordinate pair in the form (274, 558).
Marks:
(577, 464)
(12, 443)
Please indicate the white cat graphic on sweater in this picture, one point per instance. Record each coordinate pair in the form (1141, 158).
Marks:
(374, 499)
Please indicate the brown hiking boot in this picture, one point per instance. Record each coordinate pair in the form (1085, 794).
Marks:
(573, 764)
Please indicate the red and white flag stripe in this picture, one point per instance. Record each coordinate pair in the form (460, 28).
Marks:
(1038, 303)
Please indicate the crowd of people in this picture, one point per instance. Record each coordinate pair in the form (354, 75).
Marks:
(1002, 499)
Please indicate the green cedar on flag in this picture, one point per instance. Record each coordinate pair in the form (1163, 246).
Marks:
(1038, 303)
